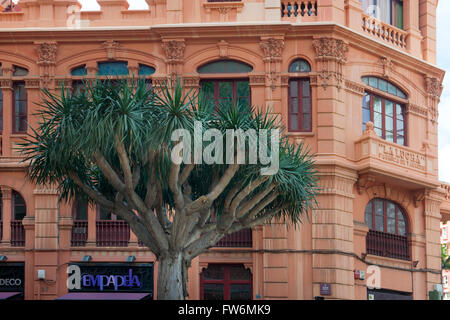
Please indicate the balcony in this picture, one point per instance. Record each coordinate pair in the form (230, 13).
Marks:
(385, 32)
(17, 234)
(79, 233)
(293, 10)
(376, 156)
(241, 239)
(112, 233)
(387, 245)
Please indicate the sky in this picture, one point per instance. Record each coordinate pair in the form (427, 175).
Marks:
(443, 61)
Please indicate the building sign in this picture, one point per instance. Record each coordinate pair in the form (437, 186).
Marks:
(12, 277)
(325, 289)
(401, 157)
(110, 277)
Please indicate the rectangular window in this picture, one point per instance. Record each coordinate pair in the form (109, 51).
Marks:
(226, 282)
(226, 92)
(300, 110)
(387, 116)
(20, 107)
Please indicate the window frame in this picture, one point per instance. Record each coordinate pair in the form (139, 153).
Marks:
(217, 80)
(22, 115)
(300, 107)
(398, 210)
(14, 205)
(395, 102)
(1, 113)
(226, 281)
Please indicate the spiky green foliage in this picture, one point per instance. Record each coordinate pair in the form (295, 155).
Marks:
(111, 141)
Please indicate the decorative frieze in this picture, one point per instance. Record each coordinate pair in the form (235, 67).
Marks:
(32, 83)
(46, 53)
(417, 110)
(331, 55)
(354, 87)
(111, 47)
(272, 48)
(257, 79)
(174, 50)
(388, 66)
(6, 84)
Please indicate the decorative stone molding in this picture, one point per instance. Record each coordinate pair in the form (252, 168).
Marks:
(111, 47)
(6, 193)
(192, 81)
(331, 49)
(388, 66)
(272, 48)
(223, 48)
(32, 83)
(46, 53)
(257, 79)
(331, 55)
(385, 191)
(417, 110)
(223, 7)
(354, 87)
(418, 197)
(60, 83)
(174, 50)
(6, 84)
(364, 182)
(433, 87)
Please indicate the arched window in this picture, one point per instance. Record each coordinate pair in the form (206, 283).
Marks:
(19, 211)
(225, 90)
(145, 70)
(20, 107)
(116, 68)
(19, 71)
(388, 229)
(79, 71)
(389, 11)
(226, 282)
(299, 104)
(387, 115)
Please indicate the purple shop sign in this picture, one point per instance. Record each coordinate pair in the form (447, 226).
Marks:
(325, 289)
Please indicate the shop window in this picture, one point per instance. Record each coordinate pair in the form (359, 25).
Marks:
(20, 108)
(387, 229)
(225, 66)
(226, 282)
(388, 11)
(116, 68)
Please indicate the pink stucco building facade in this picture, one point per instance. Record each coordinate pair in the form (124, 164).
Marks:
(360, 87)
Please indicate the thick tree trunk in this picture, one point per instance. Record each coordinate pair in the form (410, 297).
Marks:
(170, 278)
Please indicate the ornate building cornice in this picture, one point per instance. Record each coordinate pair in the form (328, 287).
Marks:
(331, 49)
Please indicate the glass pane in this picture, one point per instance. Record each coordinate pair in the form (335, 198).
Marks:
(401, 224)
(383, 85)
(306, 88)
(306, 122)
(379, 132)
(307, 105)
(368, 215)
(214, 272)
(300, 66)
(116, 68)
(379, 215)
(378, 120)
(104, 214)
(294, 122)
(20, 210)
(81, 209)
(365, 80)
(377, 104)
(389, 136)
(366, 115)
(19, 72)
(366, 101)
(243, 89)
(401, 140)
(226, 90)
(225, 66)
(401, 94)
(389, 108)
(80, 71)
(399, 126)
(208, 89)
(389, 123)
(294, 105)
(390, 207)
(145, 70)
(293, 88)
(392, 89)
(373, 82)
(240, 292)
(240, 273)
(213, 291)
